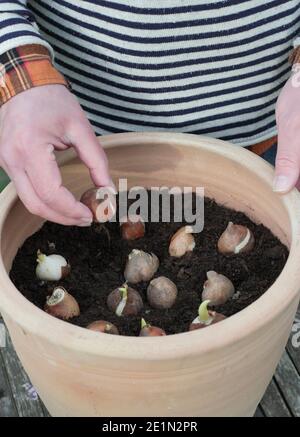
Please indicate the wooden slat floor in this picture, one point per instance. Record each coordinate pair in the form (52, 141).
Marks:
(282, 398)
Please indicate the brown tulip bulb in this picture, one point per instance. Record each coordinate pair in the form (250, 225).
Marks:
(140, 266)
(125, 301)
(161, 293)
(150, 331)
(217, 288)
(205, 317)
(132, 227)
(102, 212)
(182, 242)
(61, 304)
(236, 239)
(103, 326)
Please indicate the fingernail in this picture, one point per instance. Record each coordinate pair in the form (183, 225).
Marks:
(281, 184)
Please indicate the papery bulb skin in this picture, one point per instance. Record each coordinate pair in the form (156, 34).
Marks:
(140, 266)
(104, 327)
(152, 331)
(236, 239)
(125, 301)
(216, 318)
(132, 227)
(217, 288)
(62, 304)
(182, 242)
(205, 317)
(102, 212)
(161, 293)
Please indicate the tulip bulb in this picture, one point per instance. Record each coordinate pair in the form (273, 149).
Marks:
(125, 301)
(236, 239)
(205, 317)
(182, 242)
(217, 288)
(161, 293)
(61, 304)
(150, 331)
(102, 209)
(132, 227)
(51, 267)
(140, 266)
(103, 326)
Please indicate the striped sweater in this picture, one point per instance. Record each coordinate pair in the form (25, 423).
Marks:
(203, 67)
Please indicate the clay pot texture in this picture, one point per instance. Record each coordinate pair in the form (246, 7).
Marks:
(219, 371)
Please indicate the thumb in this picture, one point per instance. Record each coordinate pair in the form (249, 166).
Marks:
(287, 168)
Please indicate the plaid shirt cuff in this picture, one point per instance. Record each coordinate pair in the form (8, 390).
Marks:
(263, 146)
(26, 67)
(295, 56)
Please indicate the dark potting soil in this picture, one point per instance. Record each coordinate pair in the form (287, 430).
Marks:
(97, 265)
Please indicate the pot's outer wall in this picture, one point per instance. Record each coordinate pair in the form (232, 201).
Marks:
(220, 371)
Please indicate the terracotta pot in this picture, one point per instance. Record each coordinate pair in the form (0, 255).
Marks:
(219, 371)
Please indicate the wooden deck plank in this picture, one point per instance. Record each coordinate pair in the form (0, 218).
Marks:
(293, 346)
(23, 394)
(273, 404)
(45, 411)
(288, 380)
(7, 405)
(259, 412)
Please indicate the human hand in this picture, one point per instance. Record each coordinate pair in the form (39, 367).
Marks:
(287, 167)
(33, 124)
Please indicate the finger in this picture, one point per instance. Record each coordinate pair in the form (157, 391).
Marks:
(34, 204)
(287, 166)
(45, 177)
(91, 154)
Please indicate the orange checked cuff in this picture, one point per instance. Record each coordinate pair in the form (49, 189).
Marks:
(26, 67)
(263, 146)
(294, 57)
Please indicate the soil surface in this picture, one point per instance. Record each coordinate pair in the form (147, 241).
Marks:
(98, 255)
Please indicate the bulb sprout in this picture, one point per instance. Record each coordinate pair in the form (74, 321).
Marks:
(124, 291)
(123, 301)
(203, 311)
(144, 324)
(40, 256)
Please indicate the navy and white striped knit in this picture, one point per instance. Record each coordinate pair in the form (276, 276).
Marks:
(205, 67)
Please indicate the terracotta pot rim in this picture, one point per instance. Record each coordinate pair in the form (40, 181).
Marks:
(32, 319)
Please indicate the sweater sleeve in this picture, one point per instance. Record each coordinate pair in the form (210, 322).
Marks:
(26, 58)
(18, 27)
